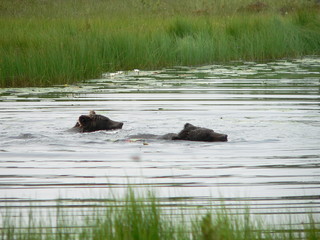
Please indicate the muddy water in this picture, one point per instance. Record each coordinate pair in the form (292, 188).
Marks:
(270, 111)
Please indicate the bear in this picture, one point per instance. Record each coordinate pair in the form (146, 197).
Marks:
(193, 133)
(188, 133)
(95, 122)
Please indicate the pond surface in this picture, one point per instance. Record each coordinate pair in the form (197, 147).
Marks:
(270, 111)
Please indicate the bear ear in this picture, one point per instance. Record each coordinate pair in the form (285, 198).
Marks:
(84, 120)
(187, 125)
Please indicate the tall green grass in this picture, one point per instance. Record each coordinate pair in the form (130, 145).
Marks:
(59, 42)
(145, 218)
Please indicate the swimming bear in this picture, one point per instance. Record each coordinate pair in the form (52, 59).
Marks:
(95, 122)
(193, 133)
(189, 133)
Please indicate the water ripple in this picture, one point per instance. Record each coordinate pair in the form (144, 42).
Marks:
(270, 111)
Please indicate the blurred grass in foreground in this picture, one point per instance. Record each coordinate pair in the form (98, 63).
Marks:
(144, 218)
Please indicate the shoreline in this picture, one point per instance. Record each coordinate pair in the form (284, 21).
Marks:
(49, 50)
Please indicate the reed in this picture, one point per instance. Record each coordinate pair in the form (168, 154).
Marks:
(46, 43)
(144, 217)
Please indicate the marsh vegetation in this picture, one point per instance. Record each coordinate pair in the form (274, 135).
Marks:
(60, 42)
(146, 218)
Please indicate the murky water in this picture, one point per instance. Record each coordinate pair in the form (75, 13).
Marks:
(270, 111)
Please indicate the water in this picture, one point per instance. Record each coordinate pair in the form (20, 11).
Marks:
(270, 111)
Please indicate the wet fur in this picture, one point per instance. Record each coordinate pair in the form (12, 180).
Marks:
(193, 133)
(95, 122)
(188, 133)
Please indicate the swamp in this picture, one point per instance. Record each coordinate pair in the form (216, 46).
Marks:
(248, 69)
(270, 164)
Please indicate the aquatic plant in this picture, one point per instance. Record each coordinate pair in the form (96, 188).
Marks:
(60, 42)
(145, 217)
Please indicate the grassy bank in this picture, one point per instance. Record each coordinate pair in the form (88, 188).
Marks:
(46, 42)
(144, 218)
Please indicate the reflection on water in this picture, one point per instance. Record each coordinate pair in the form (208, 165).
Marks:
(270, 111)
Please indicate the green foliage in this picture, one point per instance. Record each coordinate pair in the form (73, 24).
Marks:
(144, 218)
(60, 42)
(182, 28)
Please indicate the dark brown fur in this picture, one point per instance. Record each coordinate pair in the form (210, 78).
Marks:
(189, 133)
(95, 122)
(193, 133)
